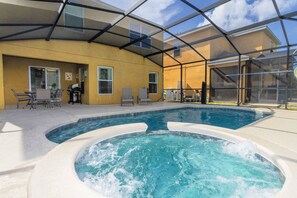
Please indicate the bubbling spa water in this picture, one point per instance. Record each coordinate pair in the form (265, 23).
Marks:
(175, 164)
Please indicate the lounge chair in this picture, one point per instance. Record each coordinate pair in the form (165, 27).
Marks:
(21, 97)
(143, 96)
(57, 97)
(127, 96)
(43, 96)
(190, 96)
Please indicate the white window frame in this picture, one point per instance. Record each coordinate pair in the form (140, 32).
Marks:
(29, 73)
(156, 77)
(77, 30)
(98, 80)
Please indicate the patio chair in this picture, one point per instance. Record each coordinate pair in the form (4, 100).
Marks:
(43, 97)
(143, 96)
(127, 96)
(57, 97)
(190, 96)
(21, 97)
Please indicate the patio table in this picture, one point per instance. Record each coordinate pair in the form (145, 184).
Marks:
(32, 95)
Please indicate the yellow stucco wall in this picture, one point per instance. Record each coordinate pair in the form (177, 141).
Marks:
(267, 42)
(249, 42)
(187, 54)
(1, 82)
(193, 76)
(171, 77)
(130, 70)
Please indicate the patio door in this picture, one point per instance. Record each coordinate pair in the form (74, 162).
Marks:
(44, 78)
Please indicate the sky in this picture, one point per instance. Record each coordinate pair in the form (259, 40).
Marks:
(232, 15)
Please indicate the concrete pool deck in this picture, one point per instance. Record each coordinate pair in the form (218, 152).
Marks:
(22, 140)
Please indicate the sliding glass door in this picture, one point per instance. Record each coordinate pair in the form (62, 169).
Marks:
(44, 78)
(52, 79)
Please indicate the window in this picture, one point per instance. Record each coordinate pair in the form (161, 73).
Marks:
(176, 53)
(137, 31)
(153, 82)
(105, 80)
(146, 43)
(73, 16)
(44, 78)
(133, 36)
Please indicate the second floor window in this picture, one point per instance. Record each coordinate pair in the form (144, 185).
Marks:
(137, 31)
(73, 16)
(176, 53)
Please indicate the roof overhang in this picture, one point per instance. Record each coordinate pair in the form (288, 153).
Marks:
(189, 32)
(233, 59)
(266, 29)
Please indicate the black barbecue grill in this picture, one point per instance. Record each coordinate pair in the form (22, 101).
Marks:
(74, 92)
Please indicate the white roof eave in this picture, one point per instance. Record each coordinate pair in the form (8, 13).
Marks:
(228, 60)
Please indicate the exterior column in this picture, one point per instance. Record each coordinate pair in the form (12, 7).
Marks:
(181, 84)
(243, 83)
(287, 77)
(92, 90)
(205, 79)
(163, 91)
(239, 81)
(2, 103)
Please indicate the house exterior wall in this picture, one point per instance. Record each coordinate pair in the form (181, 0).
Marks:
(171, 77)
(129, 69)
(267, 41)
(187, 54)
(249, 42)
(195, 76)
(1, 83)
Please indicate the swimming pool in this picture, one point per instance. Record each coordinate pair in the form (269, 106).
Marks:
(176, 164)
(157, 120)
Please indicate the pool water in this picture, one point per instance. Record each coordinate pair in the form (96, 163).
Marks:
(228, 118)
(175, 164)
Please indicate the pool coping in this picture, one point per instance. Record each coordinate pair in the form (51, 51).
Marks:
(55, 176)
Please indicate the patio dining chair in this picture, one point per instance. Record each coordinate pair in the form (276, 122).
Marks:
(143, 96)
(127, 96)
(43, 97)
(21, 97)
(57, 97)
